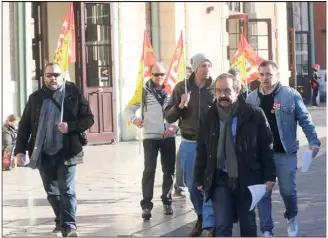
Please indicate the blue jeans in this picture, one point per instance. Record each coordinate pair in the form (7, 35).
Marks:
(187, 155)
(286, 166)
(59, 183)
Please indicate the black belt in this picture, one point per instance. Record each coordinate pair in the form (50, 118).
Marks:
(188, 136)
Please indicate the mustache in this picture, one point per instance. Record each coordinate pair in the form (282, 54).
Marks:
(223, 99)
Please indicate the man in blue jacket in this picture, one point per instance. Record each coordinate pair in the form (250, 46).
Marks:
(283, 107)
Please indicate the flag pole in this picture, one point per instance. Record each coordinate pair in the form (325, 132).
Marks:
(63, 97)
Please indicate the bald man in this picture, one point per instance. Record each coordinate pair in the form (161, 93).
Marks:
(159, 136)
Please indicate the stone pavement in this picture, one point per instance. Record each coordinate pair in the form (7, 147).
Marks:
(109, 191)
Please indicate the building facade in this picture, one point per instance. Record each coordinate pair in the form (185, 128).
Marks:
(109, 43)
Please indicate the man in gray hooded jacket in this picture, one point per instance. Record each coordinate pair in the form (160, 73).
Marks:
(158, 136)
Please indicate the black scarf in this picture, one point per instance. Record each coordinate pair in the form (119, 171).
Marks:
(159, 93)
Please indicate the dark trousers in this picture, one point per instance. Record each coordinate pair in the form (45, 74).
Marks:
(151, 148)
(179, 184)
(59, 183)
(314, 96)
(225, 202)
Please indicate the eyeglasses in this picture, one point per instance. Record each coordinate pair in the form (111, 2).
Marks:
(49, 75)
(158, 74)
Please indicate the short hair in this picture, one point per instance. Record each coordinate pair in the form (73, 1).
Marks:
(271, 63)
(188, 68)
(235, 82)
(234, 71)
(51, 64)
(12, 118)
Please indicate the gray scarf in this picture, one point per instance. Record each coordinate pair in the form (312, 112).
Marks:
(226, 155)
(48, 138)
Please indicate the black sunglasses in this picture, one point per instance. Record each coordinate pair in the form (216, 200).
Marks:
(49, 75)
(158, 74)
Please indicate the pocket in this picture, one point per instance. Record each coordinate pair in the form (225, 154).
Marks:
(288, 115)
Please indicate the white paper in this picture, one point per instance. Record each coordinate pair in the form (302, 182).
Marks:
(257, 192)
(306, 160)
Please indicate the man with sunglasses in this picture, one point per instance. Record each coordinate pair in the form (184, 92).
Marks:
(190, 99)
(53, 144)
(159, 136)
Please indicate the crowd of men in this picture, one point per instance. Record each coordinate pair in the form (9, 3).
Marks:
(230, 138)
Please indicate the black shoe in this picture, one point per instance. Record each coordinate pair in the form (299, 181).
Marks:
(57, 231)
(198, 230)
(146, 214)
(70, 232)
(167, 209)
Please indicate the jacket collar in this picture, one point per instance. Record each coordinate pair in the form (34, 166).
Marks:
(242, 114)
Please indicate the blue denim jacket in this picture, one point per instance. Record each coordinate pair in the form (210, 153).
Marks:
(290, 111)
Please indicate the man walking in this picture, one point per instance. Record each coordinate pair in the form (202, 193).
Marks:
(159, 136)
(315, 84)
(187, 107)
(284, 108)
(234, 150)
(243, 89)
(53, 144)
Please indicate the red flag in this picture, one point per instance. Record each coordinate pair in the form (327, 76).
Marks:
(252, 60)
(148, 58)
(68, 28)
(177, 64)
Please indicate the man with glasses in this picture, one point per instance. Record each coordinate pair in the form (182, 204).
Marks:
(159, 136)
(53, 143)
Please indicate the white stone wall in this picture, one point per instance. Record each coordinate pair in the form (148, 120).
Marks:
(132, 23)
(9, 90)
(206, 33)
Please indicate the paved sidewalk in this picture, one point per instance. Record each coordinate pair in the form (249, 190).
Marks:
(109, 192)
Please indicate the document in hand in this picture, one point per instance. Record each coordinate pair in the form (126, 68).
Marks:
(257, 192)
(306, 160)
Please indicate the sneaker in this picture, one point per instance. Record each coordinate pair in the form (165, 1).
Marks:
(57, 232)
(70, 232)
(167, 209)
(146, 214)
(198, 230)
(178, 194)
(292, 227)
(267, 234)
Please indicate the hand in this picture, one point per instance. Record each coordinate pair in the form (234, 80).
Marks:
(138, 122)
(170, 131)
(315, 150)
(20, 159)
(200, 188)
(184, 100)
(63, 127)
(269, 185)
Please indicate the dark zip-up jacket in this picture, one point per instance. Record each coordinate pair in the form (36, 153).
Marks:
(200, 101)
(253, 146)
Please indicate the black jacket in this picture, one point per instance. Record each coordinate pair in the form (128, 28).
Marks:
(253, 144)
(200, 100)
(77, 114)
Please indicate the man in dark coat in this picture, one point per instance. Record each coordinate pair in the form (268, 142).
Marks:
(234, 151)
(53, 142)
